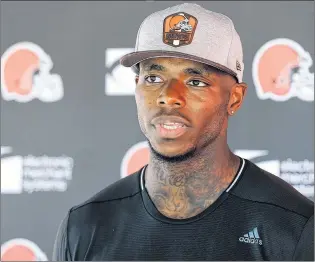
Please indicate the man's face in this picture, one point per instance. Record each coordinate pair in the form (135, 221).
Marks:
(182, 105)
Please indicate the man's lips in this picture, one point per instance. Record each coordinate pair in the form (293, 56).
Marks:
(170, 120)
(170, 126)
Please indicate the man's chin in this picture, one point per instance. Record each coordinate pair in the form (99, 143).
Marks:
(172, 154)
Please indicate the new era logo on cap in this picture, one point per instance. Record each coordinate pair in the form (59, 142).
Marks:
(238, 66)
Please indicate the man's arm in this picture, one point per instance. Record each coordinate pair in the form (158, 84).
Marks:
(61, 249)
(305, 247)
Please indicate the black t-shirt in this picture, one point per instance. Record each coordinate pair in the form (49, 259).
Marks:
(258, 217)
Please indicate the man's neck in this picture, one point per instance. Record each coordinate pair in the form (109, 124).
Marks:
(184, 189)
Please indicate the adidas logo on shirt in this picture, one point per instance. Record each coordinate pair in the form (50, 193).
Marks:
(251, 238)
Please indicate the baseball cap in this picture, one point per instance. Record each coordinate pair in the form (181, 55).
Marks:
(191, 32)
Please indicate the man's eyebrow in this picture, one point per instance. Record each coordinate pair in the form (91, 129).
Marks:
(156, 67)
(194, 71)
(212, 70)
(204, 70)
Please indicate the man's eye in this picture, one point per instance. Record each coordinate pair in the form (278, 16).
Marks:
(197, 83)
(153, 79)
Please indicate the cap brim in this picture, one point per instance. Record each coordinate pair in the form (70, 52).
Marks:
(132, 59)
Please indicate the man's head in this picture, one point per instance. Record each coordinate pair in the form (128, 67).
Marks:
(184, 105)
(189, 69)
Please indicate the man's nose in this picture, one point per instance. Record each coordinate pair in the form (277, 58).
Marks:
(172, 95)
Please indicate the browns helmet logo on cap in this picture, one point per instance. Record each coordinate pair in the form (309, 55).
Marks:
(179, 29)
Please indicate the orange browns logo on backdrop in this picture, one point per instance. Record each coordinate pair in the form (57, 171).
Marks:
(136, 157)
(25, 74)
(21, 249)
(281, 70)
(179, 29)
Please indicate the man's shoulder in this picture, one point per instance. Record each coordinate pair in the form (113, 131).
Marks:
(259, 186)
(123, 188)
(83, 220)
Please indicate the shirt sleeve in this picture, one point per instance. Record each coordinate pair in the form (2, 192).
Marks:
(61, 249)
(304, 250)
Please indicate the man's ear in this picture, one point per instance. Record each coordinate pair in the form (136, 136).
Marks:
(137, 79)
(237, 95)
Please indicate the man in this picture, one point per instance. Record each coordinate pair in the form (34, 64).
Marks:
(195, 200)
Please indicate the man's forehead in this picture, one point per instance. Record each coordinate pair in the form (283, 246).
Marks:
(170, 61)
(163, 63)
